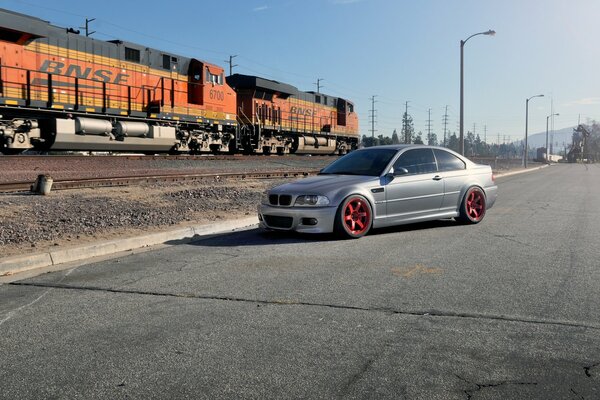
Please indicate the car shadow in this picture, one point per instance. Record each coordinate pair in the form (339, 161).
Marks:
(261, 237)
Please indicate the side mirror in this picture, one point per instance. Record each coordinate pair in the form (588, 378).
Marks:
(400, 171)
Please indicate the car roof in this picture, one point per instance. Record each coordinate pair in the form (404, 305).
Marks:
(404, 146)
(399, 147)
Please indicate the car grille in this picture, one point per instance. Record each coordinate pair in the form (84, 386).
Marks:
(280, 200)
(278, 222)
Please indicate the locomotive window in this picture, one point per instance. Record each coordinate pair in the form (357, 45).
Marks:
(166, 61)
(10, 36)
(317, 99)
(325, 100)
(350, 107)
(132, 55)
(214, 78)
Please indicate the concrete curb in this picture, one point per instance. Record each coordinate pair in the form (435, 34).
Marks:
(18, 264)
(521, 171)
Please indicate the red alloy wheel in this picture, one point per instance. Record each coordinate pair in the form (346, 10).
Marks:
(357, 216)
(475, 205)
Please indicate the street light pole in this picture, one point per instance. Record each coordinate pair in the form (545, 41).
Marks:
(547, 151)
(462, 88)
(526, 123)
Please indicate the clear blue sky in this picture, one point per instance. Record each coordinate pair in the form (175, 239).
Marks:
(397, 50)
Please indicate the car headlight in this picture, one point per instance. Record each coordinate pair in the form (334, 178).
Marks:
(265, 198)
(311, 200)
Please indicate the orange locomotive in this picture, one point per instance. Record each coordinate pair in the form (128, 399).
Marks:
(63, 91)
(276, 117)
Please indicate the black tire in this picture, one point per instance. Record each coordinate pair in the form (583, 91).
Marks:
(472, 207)
(354, 217)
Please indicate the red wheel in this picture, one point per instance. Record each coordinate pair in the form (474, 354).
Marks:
(472, 209)
(354, 217)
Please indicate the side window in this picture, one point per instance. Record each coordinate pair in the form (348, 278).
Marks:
(448, 161)
(132, 54)
(417, 161)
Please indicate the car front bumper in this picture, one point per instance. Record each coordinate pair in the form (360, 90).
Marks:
(300, 219)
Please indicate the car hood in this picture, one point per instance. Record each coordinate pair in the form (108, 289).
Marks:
(324, 184)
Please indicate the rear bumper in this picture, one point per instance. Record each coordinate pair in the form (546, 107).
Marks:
(295, 218)
(491, 193)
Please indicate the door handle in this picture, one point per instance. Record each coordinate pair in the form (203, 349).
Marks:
(437, 178)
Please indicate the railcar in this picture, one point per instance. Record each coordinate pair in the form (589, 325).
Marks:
(60, 90)
(275, 117)
(63, 91)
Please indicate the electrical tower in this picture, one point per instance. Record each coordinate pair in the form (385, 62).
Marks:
(373, 118)
(428, 126)
(405, 123)
(445, 125)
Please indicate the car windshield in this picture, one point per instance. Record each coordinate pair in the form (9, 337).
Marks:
(370, 162)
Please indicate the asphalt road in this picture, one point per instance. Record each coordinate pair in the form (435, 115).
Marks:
(507, 309)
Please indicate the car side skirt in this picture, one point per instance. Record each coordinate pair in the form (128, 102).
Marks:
(399, 220)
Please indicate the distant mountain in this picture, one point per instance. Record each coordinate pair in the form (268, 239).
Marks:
(561, 137)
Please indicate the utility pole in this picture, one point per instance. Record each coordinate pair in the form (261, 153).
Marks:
(373, 117)
(405, 121)
(428, 125)
(318, 83)
(231, 64)
(445, 124)
(87, 27)
(485, 134)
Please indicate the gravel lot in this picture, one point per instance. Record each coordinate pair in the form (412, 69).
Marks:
(64, 218)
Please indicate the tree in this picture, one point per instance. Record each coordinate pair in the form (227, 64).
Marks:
(432, 139)
(453, 142)
(419, 138)
(395, 139)
(408, 130)
(368, 141)
(384, 140)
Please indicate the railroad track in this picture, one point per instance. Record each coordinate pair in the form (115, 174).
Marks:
(207, 157)
(125, 156)
(65, 184)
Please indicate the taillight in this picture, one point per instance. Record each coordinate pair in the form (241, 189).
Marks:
(493, 178)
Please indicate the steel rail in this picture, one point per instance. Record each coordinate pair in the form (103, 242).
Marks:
(23, 157)
(137, 180)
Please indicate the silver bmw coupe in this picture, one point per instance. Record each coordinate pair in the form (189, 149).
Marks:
(382, 186)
